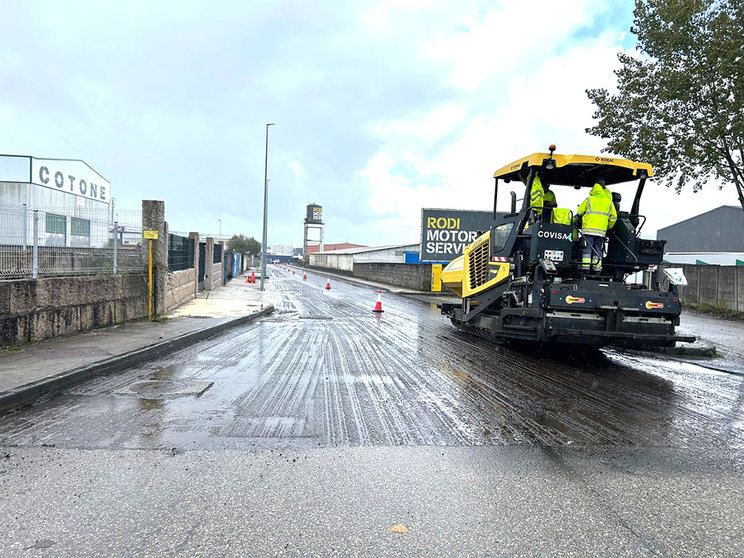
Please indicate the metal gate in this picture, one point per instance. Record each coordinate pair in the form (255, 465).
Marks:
(202, 264)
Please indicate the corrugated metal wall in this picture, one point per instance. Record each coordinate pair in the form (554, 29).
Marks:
(719, 230)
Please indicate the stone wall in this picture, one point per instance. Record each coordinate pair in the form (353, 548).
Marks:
(416, 277)
(216, 274)
(31, 310)
(180, 288)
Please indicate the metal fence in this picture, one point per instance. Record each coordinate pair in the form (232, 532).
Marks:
(217, 254)
(180, 252)
(46, 242)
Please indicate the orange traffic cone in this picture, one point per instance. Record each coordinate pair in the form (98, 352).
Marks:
(328, 284)
(304, 276)
(247, 278)
(378, 304)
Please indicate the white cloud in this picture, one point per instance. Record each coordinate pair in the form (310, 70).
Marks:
(448, 158)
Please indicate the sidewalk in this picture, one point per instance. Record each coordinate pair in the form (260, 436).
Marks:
(30, 371)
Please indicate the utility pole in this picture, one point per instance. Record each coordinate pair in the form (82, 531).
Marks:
(265, 207)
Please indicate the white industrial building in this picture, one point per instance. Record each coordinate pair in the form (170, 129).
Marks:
(72, 199)
(344, 260)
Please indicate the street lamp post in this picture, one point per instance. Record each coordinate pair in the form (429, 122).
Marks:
(219, 236)
(265, 207)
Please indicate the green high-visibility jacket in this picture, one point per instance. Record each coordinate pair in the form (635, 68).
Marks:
(561, 216)
(549, 196)
(536, 195)
(597, 212)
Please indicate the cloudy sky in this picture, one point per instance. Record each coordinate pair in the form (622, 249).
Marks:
(381, 108)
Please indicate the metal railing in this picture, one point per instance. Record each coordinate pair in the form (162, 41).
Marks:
(180, 252)
(48, 242)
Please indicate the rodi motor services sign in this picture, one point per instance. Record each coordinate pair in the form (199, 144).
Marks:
(446, 232)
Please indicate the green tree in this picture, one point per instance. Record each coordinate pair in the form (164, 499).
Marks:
(244, 245)
(680, 98)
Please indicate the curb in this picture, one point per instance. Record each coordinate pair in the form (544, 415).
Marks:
(28, 393)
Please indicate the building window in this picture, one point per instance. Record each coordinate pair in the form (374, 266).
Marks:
(56, 229)
(56, 224)
(79, 227)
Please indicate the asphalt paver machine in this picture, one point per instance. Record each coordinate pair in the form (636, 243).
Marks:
(523, 278)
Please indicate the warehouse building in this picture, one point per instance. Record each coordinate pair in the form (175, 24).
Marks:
(73, 199)
(333, 247)
(344, 260)
(713, 238)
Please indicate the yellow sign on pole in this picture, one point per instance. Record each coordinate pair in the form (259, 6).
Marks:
(150, 234)
(149, 279)
(436, 277)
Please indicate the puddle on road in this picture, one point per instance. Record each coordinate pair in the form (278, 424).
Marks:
(165, 389)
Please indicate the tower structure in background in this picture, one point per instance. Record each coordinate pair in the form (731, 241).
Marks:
(314, 222)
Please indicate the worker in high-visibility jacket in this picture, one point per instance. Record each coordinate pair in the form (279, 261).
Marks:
(558, 215)
(561, 216)
(537, 194)
(598, 215)
(549, 197)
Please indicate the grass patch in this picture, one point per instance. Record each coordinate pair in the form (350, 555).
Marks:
(716, 311)
(17, 347)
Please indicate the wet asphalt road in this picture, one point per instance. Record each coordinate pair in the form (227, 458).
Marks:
(315, 430)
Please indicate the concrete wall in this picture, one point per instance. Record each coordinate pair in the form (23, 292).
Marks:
(721, 286)
(411, 276)
(34, 310)
(180, 288)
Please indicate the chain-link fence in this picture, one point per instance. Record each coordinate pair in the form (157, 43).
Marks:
(45, 242)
